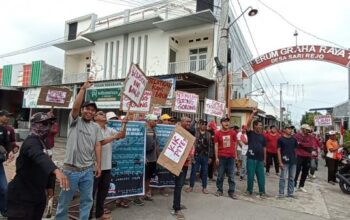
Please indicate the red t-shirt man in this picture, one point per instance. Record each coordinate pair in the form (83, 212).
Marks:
(226, 141)
(271, 142)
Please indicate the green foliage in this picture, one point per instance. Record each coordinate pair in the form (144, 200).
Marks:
(308, 118)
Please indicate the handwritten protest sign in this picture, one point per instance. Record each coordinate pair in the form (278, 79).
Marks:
(160, 90)
(128, 161)
(214, 108)
(143, 106)
(185, 102)
(156, 111)
(323, 120)
(135, 84)
(177, 150)
(54, 96)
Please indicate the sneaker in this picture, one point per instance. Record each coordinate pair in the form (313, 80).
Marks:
(233, 196)
(138, 202)
(313, 176)
(261, 196)
(205, 191)
(248, 193)
(280, 196)
(302, 189)
(218, 193)
(178, 214)
(292, 196)
(189, 189)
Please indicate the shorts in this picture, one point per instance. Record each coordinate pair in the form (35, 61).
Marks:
(150, 170)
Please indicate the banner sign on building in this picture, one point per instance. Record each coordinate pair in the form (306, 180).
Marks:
(323, 120)
(143, 106)
(53, 96)
(185, 102)
(128, 161)
(163, 177)
(160, 90)
(176, 151)
(135, 84)
(214, 108)
(31, 97)
(104, 97)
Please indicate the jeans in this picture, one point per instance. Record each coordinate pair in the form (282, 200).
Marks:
(303, 165)
(272, 157)
(255, 167)
(3, 189)
(226, 165)
(179, 182)
(101, 186)
(243, 171)
(288, 172)
(202, 164)
(83, 181)
(313, 165)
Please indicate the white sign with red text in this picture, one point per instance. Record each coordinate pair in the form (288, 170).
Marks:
(323, 120)
(135, 84)
(143, 106)
(185, 102)
(214, 108)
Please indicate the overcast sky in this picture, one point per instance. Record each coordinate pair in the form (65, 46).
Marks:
(29, 22)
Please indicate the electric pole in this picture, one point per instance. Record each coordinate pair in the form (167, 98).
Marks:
(281, 109)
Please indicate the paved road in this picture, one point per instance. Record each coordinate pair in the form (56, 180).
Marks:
(323, 201)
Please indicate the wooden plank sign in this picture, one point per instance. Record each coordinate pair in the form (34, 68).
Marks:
(135, 84)
(176, 151)
(214, 108)
(185, 102)
(54, 96)
(160, 90)
(143, 106)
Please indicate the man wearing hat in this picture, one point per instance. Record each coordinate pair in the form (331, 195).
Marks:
(83, 146)
(304, 154)
(26, 192)
(225, 151)
(287, 161)
(6, 153)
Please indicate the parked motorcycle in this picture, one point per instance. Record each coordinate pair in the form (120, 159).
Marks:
(344, 173)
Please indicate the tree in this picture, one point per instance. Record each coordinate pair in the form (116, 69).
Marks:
(308, 118)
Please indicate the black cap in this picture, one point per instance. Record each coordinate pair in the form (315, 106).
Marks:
(225, 119)
(40, 117)
(5, 112)
(272, 126)
(288, 126)
(91, 103)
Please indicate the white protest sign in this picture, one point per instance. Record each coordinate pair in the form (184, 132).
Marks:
(157, 111)
(176, 148)
(143, 106)
(323, 120)
(56, 96)
(185, 102)
(135, 84)
(214, 108)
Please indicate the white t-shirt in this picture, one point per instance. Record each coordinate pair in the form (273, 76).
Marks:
(106, 158)
(244, 147)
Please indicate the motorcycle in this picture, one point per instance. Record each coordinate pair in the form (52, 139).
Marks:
(344, 173)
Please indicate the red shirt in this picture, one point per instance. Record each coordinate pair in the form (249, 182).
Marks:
(305, 145)
(226, 141)
(271, 142)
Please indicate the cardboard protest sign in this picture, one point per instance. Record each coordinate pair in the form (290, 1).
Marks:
(143, 106)
(54, 96)
(323, 120)
(128, 161)
(185, 102)
(214, 108)
(176, 151)
(156, 110)
(135, 84)
(160, 90)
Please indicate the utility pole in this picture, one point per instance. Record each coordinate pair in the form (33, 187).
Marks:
(222, 78)
(281, 109)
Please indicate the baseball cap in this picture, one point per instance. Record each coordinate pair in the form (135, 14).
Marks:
(91, 103)
(111, 115)
(40, 117)
(225, 119)
(151, 117)
(165, 117)
(306, 127)
(332, 132)
(5, 112)
(288, 126)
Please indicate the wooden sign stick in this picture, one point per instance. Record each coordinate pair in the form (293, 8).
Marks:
(123, 128)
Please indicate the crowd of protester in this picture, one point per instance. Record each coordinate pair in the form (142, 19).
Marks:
(219, 150)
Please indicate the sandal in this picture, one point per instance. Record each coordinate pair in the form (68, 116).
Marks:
(122, 204)
(147, 198)
(189, 189)
(107, 211)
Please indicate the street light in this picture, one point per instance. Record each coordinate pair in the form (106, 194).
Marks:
(261, 90)
(251, 13)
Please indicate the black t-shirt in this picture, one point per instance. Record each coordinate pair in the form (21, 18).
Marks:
(33, 168)
(256, 145)
(4, 139)
(288, 146)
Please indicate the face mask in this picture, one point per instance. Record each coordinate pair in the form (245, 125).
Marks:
(40, 129)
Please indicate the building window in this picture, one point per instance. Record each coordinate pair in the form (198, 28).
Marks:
(198, 59)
